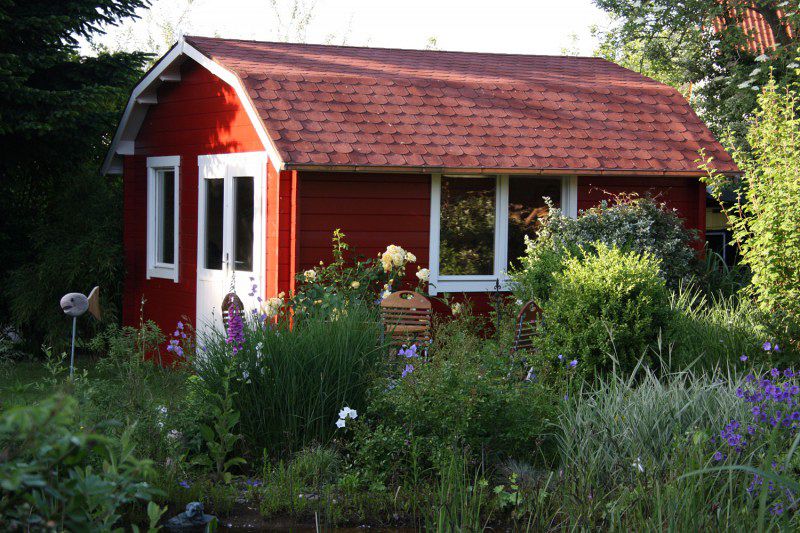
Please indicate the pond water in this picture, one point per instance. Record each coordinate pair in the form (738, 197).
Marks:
(244, 519)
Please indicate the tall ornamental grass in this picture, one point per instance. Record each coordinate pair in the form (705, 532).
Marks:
(291, 378)
(643, 453)
(708, 331)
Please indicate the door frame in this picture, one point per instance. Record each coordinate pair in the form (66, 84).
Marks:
(227, 166)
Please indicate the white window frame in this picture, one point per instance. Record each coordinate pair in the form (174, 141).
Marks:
(484, 283)
(156, 269)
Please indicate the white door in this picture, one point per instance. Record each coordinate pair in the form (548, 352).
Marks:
(231, 208)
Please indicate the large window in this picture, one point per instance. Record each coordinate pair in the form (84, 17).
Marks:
(479, 223)
(162, 217)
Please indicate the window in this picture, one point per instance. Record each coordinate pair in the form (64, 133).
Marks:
(479, 223)
(162, 217)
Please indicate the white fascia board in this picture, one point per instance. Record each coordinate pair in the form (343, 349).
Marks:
(135, 110)
(233, 80)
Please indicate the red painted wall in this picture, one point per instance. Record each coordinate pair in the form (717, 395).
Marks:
(199, 115)
(373, 210)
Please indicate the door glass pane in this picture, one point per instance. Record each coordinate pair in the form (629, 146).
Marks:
(243, 223)
(165, 217)
(467, 226)
(526, 206)
(215, 198)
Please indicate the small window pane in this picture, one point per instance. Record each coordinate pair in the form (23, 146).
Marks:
(526, 206)
(467, 226)
(165, 217)
(243, 223)
(215, 197)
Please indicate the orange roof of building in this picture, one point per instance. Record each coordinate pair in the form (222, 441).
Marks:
(336, 106)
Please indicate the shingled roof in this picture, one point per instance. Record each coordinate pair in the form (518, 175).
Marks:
(336, 106)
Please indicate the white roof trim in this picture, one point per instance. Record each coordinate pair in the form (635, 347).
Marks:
(144, 94)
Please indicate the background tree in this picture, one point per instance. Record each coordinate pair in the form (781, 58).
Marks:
(702, 47)
(60, 221)
(765, 219)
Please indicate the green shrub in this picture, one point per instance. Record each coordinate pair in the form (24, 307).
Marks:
(605, 309)
(765, 219)
(466, 394)
(630, 223)
(291, 378)
(54, 476)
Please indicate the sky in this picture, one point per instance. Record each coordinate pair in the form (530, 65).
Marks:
(510, 26)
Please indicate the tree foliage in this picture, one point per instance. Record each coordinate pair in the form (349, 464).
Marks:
(59, 219)
(765, 219)
(702, 48)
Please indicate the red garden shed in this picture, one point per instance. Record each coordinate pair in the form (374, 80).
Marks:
(243, 157)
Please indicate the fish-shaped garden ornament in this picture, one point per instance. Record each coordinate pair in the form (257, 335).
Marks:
(76, 304)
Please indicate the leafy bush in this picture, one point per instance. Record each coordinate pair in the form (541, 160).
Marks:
(328, 288)
(605, 309)
(49, 477)
(765, 219)
(630, 223)
(291, 377)
(466, 394)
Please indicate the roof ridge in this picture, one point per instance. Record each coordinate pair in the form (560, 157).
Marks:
(391, 49)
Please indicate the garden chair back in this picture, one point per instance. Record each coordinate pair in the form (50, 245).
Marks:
(527, 318)
(406, 317)
(230, 301)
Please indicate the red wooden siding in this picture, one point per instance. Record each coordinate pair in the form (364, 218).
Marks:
(287, 238)
(197, 116)
(373, 210)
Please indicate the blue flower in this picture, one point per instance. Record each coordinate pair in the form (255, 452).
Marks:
(743, 358)
(767, 346)
(718, 456)
(573, 363)
(407, 370)
(185, 484)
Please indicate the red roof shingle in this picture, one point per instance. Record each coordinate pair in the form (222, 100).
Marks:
(349, 106)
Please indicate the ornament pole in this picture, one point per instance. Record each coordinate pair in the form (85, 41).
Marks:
(72, 354)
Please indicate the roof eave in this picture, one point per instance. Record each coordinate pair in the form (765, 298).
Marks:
(481, 170)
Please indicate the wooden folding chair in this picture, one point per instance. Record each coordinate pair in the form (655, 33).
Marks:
(230, 303)
(528, 317)
(406, 317)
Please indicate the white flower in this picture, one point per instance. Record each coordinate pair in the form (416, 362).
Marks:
(273, 306)
(755, 71)
(346, 412)
(310, 275)
(245, 375)
(340, 423)
(411, 258)
(457, 308)
(160, 425)
(395, 257)
(762, 58)
(355, 285)
(162, 409)
(638, 464)
(423, 274)
(744, 84)
(174, 434)
(259, 348)
(793, 65)
(386, 294)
